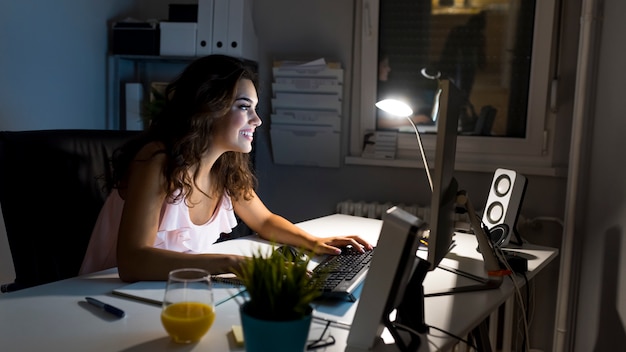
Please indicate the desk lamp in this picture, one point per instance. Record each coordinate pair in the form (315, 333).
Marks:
(444, 189)
(400, 109)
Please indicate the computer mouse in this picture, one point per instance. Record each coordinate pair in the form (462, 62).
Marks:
(292, 254)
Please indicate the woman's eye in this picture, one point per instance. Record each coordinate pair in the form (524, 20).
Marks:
(245, 107)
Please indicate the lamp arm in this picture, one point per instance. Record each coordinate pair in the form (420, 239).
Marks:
(421, 147)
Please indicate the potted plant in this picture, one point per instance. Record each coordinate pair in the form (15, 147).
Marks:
(153, 106)
(277, 314)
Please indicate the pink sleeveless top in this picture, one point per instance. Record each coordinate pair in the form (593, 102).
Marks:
(176, 231)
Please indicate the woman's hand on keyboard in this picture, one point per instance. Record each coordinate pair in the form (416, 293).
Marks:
(334, 245)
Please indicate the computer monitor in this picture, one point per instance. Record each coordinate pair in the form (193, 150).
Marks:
(446, 195)
(395, 278)
(445, 187)
(391, 271)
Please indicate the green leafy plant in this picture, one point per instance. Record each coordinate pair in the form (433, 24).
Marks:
(153, 106)
(279, 287)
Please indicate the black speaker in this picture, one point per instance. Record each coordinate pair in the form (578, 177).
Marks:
(503, 205)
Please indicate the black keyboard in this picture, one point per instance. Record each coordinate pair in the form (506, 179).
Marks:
(344, 273)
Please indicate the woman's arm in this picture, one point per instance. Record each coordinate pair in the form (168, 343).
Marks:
(277, 229)
(137, 259)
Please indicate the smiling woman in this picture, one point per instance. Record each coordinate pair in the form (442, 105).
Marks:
(184, 183)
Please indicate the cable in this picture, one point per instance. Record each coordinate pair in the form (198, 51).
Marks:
(499, 253)
(544, 218)
(518, 293)
(338, 324)
(404, 327)
(526, 341)
(531, 301)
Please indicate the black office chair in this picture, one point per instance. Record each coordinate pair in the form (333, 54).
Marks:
(51, 191)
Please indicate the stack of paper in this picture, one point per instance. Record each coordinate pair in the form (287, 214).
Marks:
(380, 144)
(306, 113)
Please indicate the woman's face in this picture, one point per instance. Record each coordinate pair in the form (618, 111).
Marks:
(235, 131)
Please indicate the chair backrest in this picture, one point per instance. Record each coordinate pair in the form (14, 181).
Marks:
(52, 186)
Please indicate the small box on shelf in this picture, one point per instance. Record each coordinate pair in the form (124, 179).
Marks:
(135, 38)
(182, 13)
(178, 38)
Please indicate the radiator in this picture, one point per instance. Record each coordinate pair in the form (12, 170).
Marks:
(375, 210)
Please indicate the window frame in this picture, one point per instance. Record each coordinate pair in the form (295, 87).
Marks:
(534, 154)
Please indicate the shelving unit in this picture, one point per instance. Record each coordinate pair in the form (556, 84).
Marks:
(144, 69)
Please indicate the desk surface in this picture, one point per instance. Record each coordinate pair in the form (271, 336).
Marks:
(56, 317)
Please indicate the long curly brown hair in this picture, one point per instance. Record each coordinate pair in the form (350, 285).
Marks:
(195, 100)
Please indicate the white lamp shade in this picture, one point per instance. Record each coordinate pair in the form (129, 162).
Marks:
(395, 107)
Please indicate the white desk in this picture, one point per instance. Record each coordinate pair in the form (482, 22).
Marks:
(55, 317)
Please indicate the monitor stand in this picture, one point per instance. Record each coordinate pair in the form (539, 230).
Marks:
(409, 321)
(493, 267)
(497, 236)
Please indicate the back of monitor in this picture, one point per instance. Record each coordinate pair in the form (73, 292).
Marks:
(390, 270)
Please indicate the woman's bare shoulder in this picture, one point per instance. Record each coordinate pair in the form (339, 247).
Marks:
(151, 151)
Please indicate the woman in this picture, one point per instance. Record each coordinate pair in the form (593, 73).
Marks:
(179, 185)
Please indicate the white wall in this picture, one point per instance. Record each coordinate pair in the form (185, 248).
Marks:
(601, 314)
(52, 63)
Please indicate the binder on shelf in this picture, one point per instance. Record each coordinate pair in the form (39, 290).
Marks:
(233, 29)
(234, 32)
(241, 35)
(220, 27)
(204, 35)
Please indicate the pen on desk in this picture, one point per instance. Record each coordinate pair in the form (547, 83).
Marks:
(106, 307)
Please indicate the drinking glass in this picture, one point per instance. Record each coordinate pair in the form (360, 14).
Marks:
(188, 308)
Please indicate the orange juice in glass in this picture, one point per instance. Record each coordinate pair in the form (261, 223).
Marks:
(188, 310)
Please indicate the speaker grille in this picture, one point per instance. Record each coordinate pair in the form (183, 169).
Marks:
(503, 204)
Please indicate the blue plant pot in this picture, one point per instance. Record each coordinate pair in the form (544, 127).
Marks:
(277, 336)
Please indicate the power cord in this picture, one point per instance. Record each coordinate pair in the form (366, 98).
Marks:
(533, 223)
(518, 294)
(409, 329)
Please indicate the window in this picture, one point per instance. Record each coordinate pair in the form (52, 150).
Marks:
(514, 76)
